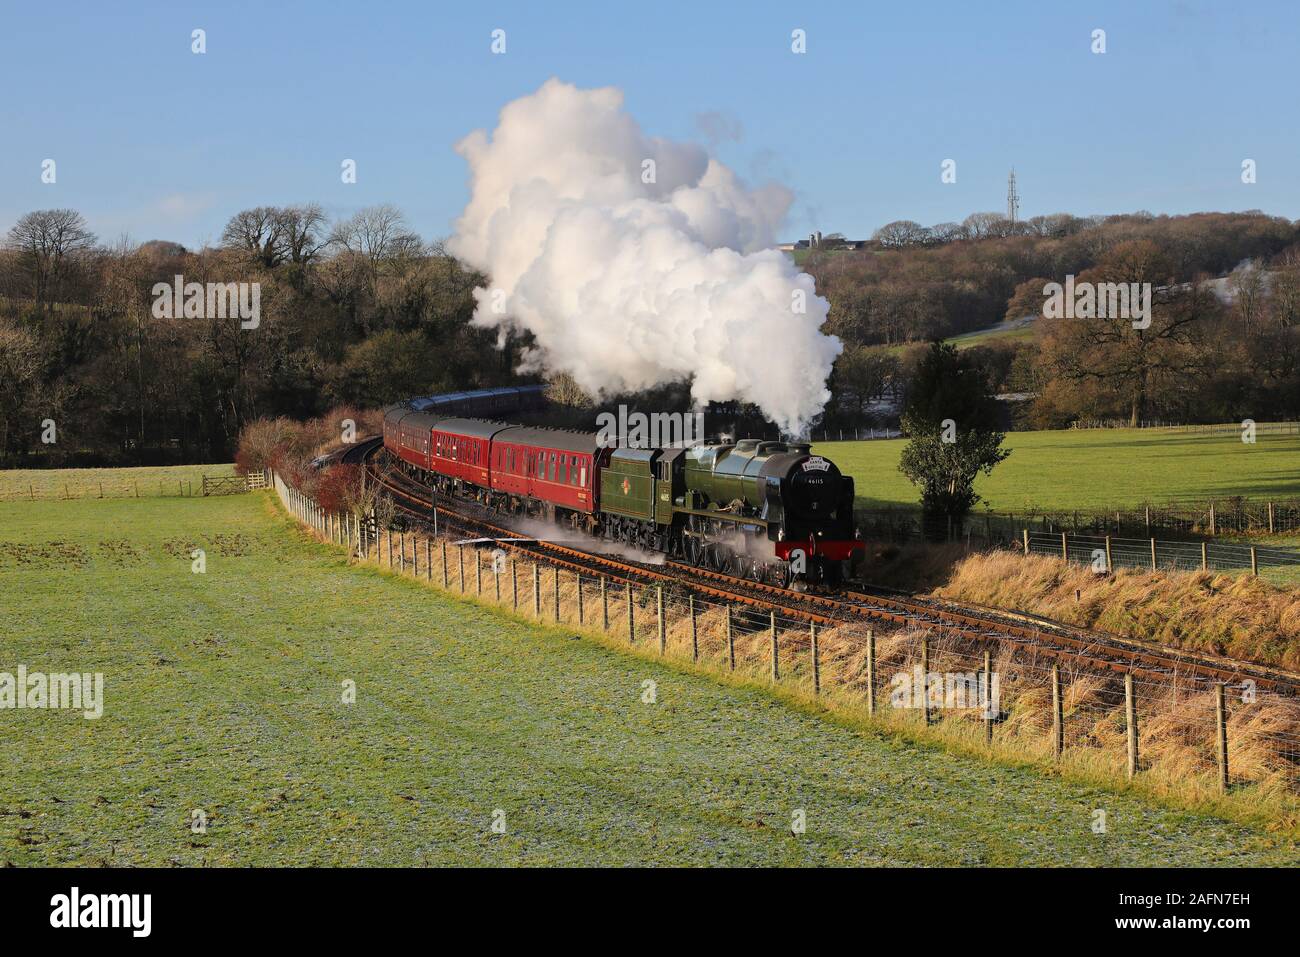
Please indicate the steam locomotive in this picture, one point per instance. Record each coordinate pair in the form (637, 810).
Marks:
(770, 511)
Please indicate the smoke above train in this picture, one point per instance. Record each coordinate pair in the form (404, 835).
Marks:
(637, 262)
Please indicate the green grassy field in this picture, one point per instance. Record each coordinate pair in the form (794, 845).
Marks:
(1094, 469)
(223, 693)
(147, 482)
(984, 337)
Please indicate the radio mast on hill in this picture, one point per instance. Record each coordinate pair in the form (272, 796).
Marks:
(1013, 198)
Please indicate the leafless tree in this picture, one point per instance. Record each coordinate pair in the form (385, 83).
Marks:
(302, 233)
(902, 232)
(20, 367)
(376, 233)
(256, 235)
(48, 243)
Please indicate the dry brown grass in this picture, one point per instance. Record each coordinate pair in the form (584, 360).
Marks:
(1236, 616)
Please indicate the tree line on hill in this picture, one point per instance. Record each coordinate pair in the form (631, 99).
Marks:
(357, 312)
(362, 311)
(1213, 351)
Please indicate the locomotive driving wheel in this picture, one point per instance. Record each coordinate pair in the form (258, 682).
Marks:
(693, 546)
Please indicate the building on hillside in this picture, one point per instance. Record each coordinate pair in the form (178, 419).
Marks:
(818, 241)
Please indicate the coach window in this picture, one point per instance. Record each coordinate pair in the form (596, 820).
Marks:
(550, 472)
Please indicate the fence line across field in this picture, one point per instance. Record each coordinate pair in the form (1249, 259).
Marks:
(1194, 519)
(190, 487)
(1058, 706)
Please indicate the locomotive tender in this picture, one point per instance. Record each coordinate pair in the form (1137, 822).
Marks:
(766, 510)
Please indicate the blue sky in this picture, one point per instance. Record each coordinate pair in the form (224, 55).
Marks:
(153, 141)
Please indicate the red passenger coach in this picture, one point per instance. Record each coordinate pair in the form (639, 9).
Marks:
(558, 467)
(408, 435)
(461, 449)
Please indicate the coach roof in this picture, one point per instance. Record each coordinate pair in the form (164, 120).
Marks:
(475, 428)
(558, 439)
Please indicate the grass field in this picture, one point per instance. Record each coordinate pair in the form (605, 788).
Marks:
(1094, 469)
(984, 337)
(147, 482)
(223, 693)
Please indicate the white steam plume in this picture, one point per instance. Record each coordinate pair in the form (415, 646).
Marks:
(627, 284)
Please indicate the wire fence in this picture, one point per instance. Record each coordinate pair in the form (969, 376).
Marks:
(865, 434)
(1105, 553)
(1229, 516)
(1209, 428)
(115, 485)
(1080, 542)
(1012, 698)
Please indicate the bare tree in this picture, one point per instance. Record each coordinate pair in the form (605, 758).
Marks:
(48, 243)
(301, 232)
(20, 367)
(902, 232)
(256, 235)
(377, 233)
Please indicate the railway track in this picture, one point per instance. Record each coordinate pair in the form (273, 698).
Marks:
(973, 625)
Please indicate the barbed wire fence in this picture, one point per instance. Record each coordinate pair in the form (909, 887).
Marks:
(1180, 731)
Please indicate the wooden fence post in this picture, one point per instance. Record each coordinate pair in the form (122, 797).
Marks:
(555, 588)
(925, 680)
(1065, 551)
(1270, 515)
(478, 570)
(1058, 714)
(444, 565)
(604, 602)
(1221, 716)
(1110, 565)
(1154, 566)
(988, 697)
(415, 557)
(731, 642)
(659, 605)
(514, 585)
(428, 559)
(388, 534)
(816, 663)
(1205, 557)
(1130, 721)
(776, 661)
(695, 639)
(1254, 561)
(1024, 534)
(435, 521)
(460, 559)
(537, 591)
(871, 671)
(1213, 523)
(496, 578)
(580, 615)
(631, 615)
